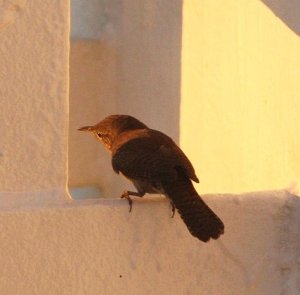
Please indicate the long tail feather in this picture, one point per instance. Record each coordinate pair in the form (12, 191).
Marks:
(200, 220)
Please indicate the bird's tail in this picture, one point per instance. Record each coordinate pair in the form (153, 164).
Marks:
(200, 220)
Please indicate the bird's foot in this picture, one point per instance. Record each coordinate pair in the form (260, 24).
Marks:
(126, 195)
(173, 209)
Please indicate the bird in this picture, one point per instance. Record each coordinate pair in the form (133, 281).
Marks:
(153, 162)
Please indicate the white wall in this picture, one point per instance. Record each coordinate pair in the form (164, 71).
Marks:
(97, 247)
(100, 248)
(125, 58)
(241, 93)
(95, 34)
(34, 89)
(94, 19)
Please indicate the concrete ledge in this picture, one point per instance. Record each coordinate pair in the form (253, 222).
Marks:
(97, 247)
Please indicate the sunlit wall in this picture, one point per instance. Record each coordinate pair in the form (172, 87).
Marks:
(240, 109)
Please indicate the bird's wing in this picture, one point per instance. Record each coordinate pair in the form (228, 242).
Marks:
(144, 158)
(176, 154)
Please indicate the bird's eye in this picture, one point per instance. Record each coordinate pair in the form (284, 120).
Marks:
(100, 135)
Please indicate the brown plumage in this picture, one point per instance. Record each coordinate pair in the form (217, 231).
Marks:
(155, 164)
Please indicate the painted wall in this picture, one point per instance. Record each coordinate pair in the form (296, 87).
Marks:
(95, 32)
(98, 247)
(93, 83)
(50, 245)
(125, 58)
(240, 99)
(33, 86)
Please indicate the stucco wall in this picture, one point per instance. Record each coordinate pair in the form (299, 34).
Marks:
(50, 245)
(100, 248)
(241, 93)
(34, 86)
(125, 58)
(93, 85)
(227, 75)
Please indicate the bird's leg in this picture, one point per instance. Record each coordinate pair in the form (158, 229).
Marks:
(172, 208)
(126, 195)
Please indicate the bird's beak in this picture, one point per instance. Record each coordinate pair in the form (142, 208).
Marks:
(86, 128)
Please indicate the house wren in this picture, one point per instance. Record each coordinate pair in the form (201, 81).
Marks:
(155, 164)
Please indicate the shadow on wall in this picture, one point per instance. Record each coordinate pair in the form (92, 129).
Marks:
(287, 11)
(150, 63)
(126, 59)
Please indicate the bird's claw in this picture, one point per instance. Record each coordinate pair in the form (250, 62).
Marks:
(173, 209)
(125, 195)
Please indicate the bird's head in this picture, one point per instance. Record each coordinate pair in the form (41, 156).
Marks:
(109, 128)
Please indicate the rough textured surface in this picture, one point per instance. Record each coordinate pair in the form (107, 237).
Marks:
(97, 247)
(150, 63)
(131, 66)
(95, 19)
(93, 85)
(243, 115)
(241, 93)
(34, 88)
(9, 11)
